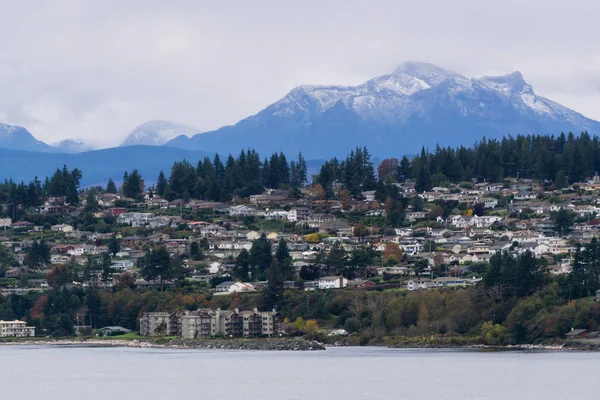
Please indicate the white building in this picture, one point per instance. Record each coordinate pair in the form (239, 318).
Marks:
(333, 282)
(298, 214)
(62, 228)
(122, 265)
(16, 329)
(276, 214)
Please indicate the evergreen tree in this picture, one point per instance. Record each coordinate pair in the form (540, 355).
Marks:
(107, 270)
(274, 291)
(38, 254)
(111, 187)
(282, 255)
(404, 170)
(161, 184)
(157, 264)
(133, 184)
(560, 181)
(242, 266)
(563, 221)
(91, 204)
(114, 245)
(337, 258)
(260, 257)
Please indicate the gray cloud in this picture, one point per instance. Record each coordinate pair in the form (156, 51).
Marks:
(96, 69)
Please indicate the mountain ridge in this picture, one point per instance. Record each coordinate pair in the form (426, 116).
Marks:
(16, 137)
(417, 104)
(156, 133)
(72, 146)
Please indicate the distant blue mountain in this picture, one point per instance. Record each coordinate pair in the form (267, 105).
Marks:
(98, 165)
(18, 138)
(156, 133)
(417, 105)
(72, 146)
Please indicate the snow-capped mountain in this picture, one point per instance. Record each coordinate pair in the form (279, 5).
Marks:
(72, 146)
(18, 138)
(156, 133)
(416, 105)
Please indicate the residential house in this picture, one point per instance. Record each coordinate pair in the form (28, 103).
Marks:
(525, 195)
(490, 202)
(242, 211)
(298, 214)
(333, 282)
(360, 284)
(234, 287)
(62, 228)
(413, 216)
(122, 265)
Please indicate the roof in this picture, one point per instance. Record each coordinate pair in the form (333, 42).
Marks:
(576, 332)
(226, 284)
(115, 329)
(331, 278)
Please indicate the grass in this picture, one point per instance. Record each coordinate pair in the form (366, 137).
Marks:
(127, 336)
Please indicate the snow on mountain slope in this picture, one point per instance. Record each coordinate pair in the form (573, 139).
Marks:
(156, 133)
(418, 104)
(72, 146)
(18, 138)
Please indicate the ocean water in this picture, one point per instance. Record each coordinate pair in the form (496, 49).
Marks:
(65, 373)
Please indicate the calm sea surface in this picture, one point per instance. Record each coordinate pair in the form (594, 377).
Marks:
(65, 373)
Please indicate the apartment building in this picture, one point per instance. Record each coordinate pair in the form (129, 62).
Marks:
(16, 329)
(208, 323)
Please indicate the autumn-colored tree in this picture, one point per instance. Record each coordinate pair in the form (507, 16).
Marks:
(345, 199)
(360, 230)
(387, 168)
(320, 192)
(392, 252)
(315, 237)
(299, 324)
(311, 327)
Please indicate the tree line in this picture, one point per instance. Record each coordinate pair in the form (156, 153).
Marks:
(558, 160)
(63, 183)
(241, 176)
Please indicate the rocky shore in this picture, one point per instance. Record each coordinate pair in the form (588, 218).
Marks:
(224, 344)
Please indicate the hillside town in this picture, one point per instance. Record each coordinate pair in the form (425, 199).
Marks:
(445, 237)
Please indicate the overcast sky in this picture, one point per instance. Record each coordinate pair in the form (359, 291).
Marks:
(96, 69)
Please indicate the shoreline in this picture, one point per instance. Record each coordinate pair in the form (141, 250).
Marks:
(286, 344)
(164, 343)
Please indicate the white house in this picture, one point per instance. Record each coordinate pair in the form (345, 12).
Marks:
(333, 282)
(276, 214)
(242, 211)
(212, 230)
(490, 203)
(252, 235)
(298, 214)
(419, 284)
(525, 195)
(232, 287)
(122, 265)
(214, 267)
(62, 228)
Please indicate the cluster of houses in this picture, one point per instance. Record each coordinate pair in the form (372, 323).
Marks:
(483, 219)
(210, 323)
